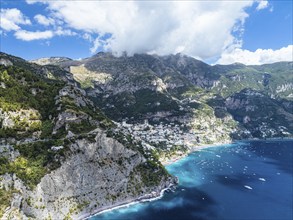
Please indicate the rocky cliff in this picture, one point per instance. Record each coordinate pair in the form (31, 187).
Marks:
(61, 157)
(77, 137)
(95, 174)
(180, 89)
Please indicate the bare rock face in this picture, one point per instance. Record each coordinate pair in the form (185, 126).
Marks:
(97, 175)
(7, 151)
(2, 85)
(233, 103)
(284, 87)
(66, 117)
(7, 122)
(5, 62)
(51, 60)
(89, 163)
(75, 94)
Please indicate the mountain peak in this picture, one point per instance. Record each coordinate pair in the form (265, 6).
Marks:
(50, 60)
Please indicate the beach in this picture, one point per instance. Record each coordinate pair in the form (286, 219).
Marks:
(192, 148)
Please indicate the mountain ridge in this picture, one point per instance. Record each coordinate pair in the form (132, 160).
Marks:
(154, 55)
(53, 141)
(123, 116)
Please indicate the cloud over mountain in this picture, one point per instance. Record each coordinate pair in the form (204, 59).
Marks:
(201, 29)
(260, 56)
(198, 28)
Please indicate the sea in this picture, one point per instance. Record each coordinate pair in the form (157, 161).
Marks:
(247, 180)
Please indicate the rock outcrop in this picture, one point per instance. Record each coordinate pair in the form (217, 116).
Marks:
(61, 157)
(97, 174)
(78, 137)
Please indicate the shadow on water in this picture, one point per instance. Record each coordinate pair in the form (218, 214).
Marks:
(235, 181)
(194, 204)
(184, 203)
(214, 180)
(280, 152)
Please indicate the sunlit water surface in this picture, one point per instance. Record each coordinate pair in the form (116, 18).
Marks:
(246, 180)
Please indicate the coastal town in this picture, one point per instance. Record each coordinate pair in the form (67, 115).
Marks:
(160, 135)
(170, 141)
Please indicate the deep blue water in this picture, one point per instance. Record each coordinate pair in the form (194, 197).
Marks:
(246, 180)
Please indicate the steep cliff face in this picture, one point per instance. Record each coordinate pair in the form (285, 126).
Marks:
(274, 80)
(51, 60)
(154, 88)
(97, 174)
(141, 71)
(139, 87)
(176, 71)
(262, 116)
(61, 157)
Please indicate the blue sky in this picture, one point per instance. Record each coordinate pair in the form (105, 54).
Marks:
(250, 32)
(266, 29)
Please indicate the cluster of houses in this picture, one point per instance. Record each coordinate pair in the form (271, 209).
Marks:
(161, 135)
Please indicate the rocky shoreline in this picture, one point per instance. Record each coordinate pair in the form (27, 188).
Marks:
(146, 198)
(154, 195)
(158, 195)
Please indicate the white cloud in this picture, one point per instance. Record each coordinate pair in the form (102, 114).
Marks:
(87, 37)
(64, 32)
(11, 18)
(33, 35)
(262, 4)
(201, 29)
(42, 35)
(41, 19)
(99, 42)
(32, 1)
(197, 28)
(260, 56)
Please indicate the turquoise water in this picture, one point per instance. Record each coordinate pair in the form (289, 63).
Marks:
(246, 180)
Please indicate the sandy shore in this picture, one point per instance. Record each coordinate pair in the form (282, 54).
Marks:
(193, 149)
(203, 146)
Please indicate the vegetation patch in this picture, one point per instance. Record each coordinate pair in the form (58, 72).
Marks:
(151, 173)
(35, 161)
(6, 197)
(18, 95)
(96, 114)
(137, 104)
(83, 127)
(175, 150)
